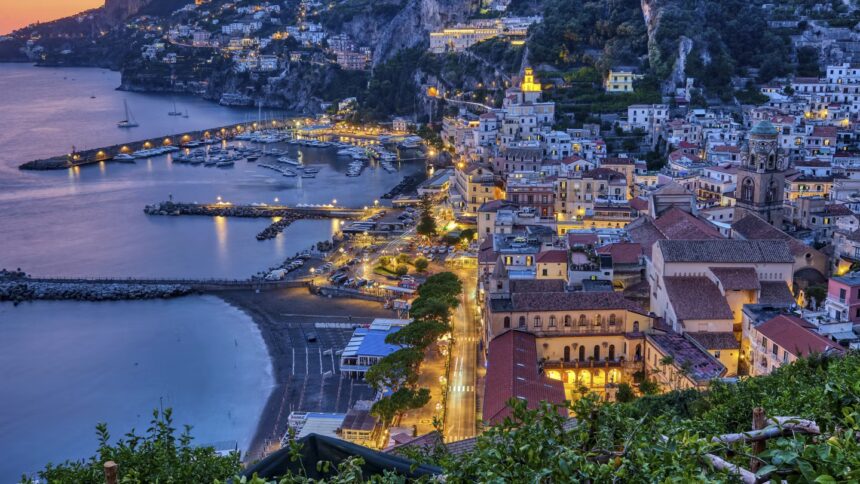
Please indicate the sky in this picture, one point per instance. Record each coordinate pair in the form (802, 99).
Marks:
(19, 13)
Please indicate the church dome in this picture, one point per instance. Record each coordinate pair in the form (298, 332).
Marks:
(764, 127)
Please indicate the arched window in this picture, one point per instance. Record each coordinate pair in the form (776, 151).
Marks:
(567, 353)
(507, 322)
(538, 322)
(567, 320)
(611, 352)
(598, 320)
(596, 352)
(771, 162)
(582, 321)
(552, 321)
(612, 319)
(748, 190)
(582, 353)
(635, 326)
(638, 352)
(522, 321)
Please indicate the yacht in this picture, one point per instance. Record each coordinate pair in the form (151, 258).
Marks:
(175, 111)
(128, 121)
(123, 157)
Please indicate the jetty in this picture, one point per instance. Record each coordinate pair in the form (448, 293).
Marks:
(108, 153)
(282, 215)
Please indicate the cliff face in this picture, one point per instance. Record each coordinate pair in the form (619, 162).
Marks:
(119, 10)
(410, 26)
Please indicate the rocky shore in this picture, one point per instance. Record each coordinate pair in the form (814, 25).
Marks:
(24, 290)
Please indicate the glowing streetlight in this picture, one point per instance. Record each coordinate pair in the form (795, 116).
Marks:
(334, 202)
(277, 200)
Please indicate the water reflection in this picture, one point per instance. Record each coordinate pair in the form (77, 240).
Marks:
(221, 237)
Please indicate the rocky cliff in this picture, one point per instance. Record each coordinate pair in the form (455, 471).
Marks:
(119, 10)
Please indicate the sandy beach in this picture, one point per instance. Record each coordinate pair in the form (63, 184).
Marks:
(285, 317)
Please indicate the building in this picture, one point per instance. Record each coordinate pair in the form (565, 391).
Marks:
(761, 176)
(843, 298)
(619, 81)
(781, 340)
(552, 264)
(676, 362)
(459, 39)
(360, 427)
(512, 372)
(352, 61)
(367, 346)
(702, 285)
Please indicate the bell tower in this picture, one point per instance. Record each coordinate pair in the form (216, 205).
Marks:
(761, 176)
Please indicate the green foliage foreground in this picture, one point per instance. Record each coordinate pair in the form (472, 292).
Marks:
(653, 439)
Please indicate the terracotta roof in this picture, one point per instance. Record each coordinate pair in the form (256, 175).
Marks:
(486, 254)
(838, 209)
(699, 365)
(512, 372)
(736, 278)
(563, 301)
(574, 239)
(424, 442)
(495, 205)
(795, 336)
(639, 204)
(537, 285)
(684, 144)
(617, 161)
(622, 252)
(813, 163)
(725, 149)
(487, 116)
(602, 174)
(695, 298)
(753, 227)
(716, 340)
(572, 159)
(824, 131)
(676, 224)
(555, 256)
(775, 293)
(725, 250)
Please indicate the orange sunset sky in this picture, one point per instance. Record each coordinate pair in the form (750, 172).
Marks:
(18, 13)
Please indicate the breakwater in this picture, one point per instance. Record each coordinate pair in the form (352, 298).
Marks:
(28, 290)
(282, 216)
(108, 153)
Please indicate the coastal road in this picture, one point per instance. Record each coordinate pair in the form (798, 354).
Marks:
(461, 415)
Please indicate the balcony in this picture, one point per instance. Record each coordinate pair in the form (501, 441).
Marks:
(580, 330)
(576, 364)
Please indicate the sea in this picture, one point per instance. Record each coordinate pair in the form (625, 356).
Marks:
(65, 366)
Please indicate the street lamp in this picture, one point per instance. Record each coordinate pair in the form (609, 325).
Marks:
(334, 202)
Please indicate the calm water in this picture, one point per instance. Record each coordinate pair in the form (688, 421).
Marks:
(90, 222)
(68, 365)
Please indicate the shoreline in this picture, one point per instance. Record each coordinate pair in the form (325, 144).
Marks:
(265, 308)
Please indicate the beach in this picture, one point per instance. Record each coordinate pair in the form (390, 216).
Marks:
(305, 377)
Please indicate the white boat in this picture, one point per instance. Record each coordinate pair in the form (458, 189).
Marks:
(123, 157)
(289, 161)
(128, 121)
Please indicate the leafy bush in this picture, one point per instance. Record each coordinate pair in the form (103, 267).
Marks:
(157, 456)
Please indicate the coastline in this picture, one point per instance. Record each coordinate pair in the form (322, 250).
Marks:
(275, 313)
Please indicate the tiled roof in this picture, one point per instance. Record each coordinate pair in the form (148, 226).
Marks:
(602, 174)
(753, 227)
(495, 205)
(824, 131)
(639, 204)
(699, 365)
(725, 250)
(672, 188)
(563, 301)
(775, 293)
(838, 209)
(795, 336)
(617, 161)
(555, 256)
(512, 372)
(622, 252)
(725, 149)
(537, 285)
(486, 254)
(736, 278)
(676, 224)
(716, 340)
(696, 298)
(574, 239)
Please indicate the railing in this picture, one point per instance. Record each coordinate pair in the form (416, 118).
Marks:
(576, 329)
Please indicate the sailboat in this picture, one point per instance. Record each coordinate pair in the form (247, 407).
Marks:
(186, 113)
(175, 112)
(128, 121)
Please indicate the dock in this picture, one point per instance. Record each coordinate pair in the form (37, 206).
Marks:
(282, 215)
(108, 153)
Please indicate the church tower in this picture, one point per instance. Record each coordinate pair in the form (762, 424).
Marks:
(761, 176)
